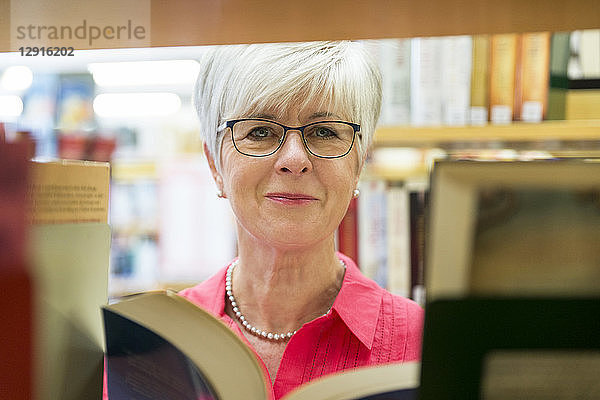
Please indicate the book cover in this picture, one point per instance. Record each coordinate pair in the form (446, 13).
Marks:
(153, 351)
(69, 251)
(425, 82)
(68, 191)
(70, 276)
(456, 63)
(348, 232)
(503, 48)
(480, 80)
(531, 92)
(16, 339)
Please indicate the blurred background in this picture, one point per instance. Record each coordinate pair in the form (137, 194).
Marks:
(133, 107)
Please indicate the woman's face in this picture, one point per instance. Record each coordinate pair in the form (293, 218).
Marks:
(290, 199)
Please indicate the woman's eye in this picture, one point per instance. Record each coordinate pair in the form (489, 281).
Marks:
(259, 133)
(323, 132)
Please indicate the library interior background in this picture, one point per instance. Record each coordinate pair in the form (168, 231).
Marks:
(505, 97)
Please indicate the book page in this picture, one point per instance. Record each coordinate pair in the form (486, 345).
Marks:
(541, 375)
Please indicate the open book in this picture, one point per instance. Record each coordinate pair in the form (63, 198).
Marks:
(159, 345)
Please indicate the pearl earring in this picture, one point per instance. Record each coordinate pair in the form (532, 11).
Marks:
(220, 194)
(356, 193)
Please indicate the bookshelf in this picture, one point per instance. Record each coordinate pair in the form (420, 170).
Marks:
(516, 132)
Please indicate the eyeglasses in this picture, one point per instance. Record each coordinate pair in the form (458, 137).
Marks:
(257, 137)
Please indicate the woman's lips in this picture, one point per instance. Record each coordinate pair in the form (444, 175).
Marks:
(291, 198)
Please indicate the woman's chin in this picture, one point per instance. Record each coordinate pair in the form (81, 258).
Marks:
(293, 238)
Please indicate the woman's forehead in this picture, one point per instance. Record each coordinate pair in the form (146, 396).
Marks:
(300, 110)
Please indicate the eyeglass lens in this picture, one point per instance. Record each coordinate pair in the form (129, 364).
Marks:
(328, 139)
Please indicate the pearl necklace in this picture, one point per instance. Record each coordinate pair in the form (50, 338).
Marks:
(238, 314)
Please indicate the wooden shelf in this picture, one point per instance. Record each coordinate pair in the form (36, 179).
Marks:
(203, 22)
(417, 173)
(132, 171)
(516, 132)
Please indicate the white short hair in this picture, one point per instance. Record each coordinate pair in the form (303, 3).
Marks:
(241, 81)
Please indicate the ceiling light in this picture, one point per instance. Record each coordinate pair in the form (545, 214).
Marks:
(10, 106)
(136, 104)
(16, 78)
(145, 73)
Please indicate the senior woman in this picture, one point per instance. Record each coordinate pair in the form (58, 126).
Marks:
(286, 129)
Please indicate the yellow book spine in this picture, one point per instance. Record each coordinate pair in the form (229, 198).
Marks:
(534, 77)
(480, 79)
(502, 77)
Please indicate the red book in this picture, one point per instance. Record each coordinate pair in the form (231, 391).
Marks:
(13, 204)
(348, 232)
(15, 283)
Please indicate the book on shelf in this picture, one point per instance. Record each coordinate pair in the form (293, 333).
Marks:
(153, 351)
(69, 250)
(589, 53)
(499, 78)
(560, 53)
(480, 61)
(372, 235)
(418, 208)
(394, 63)
(347, 233)
(503, 61)
(425, 82)
(456, 64)
(391, 234)
(398, 239)
(532, 78)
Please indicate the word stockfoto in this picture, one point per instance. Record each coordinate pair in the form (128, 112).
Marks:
(83, 31)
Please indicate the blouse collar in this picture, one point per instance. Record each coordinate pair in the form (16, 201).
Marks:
(357, 303)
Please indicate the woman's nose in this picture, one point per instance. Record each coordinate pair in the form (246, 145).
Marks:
(293, 157)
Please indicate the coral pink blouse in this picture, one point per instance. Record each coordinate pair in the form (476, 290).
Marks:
(367, 326)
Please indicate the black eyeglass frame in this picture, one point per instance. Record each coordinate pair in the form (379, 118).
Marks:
(229, 124)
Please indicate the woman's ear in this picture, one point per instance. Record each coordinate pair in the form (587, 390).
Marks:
(213, 169)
